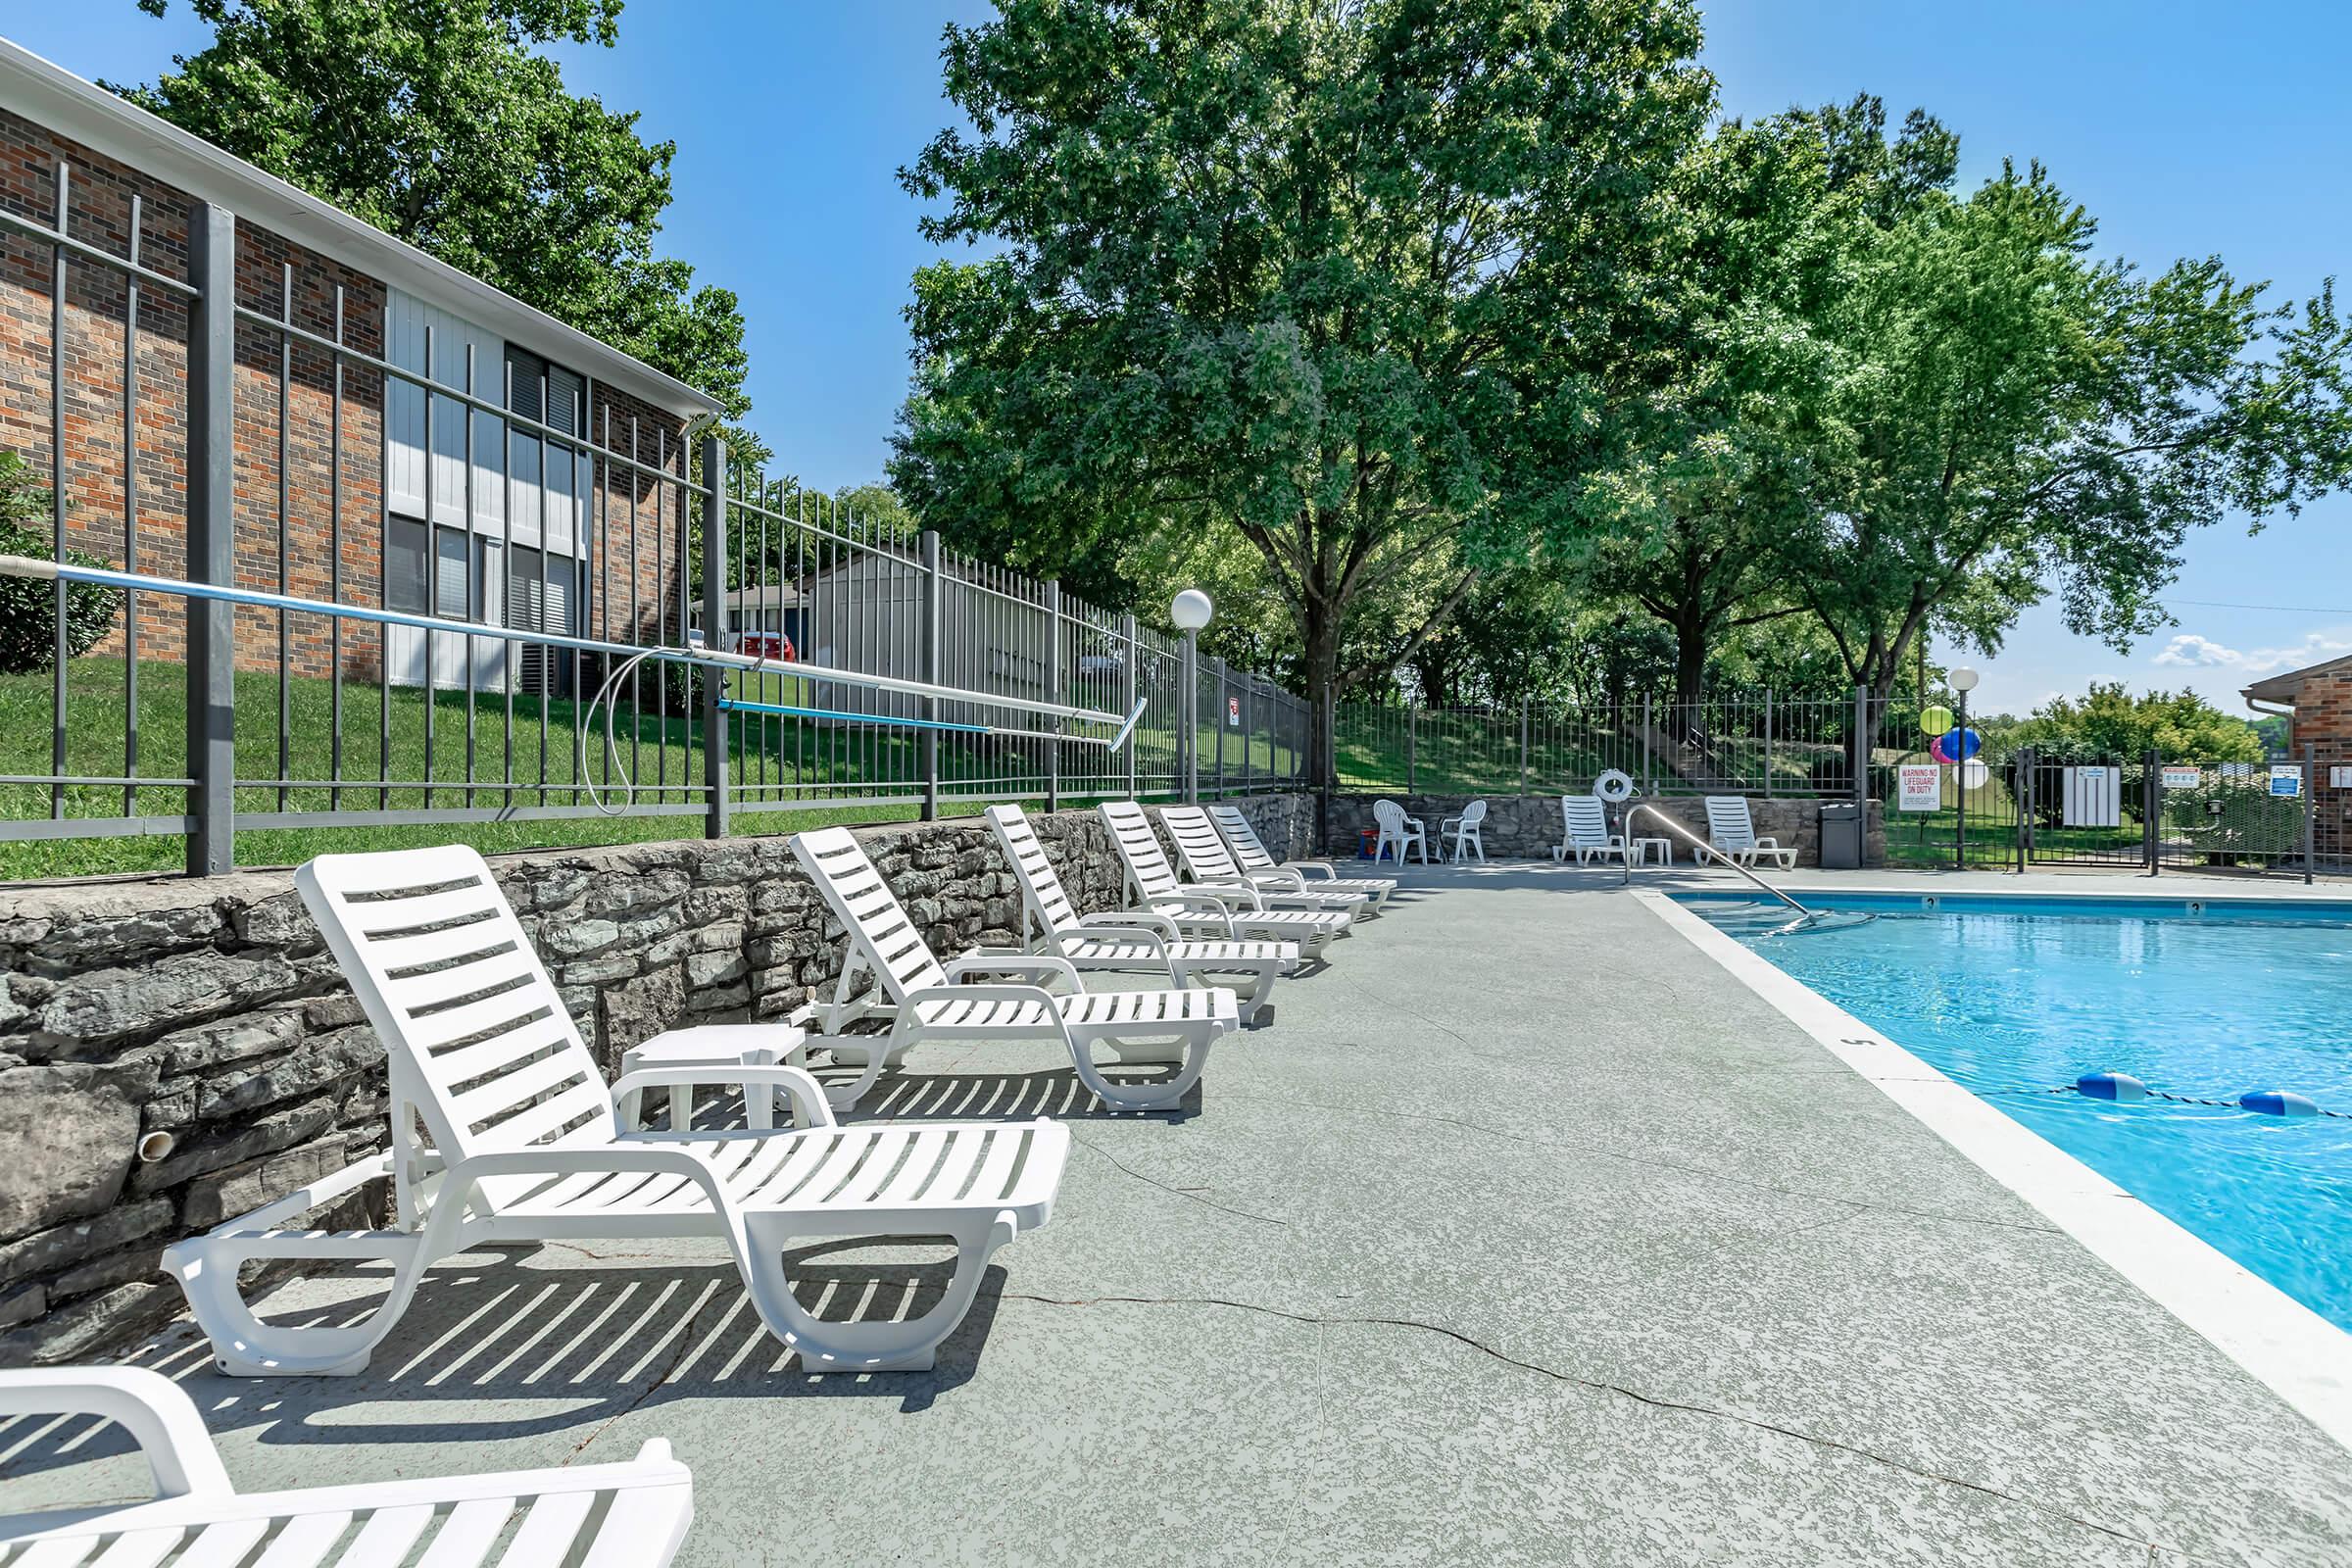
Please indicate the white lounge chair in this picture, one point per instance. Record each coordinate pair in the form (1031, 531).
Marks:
(1732, 836)
(1239, 912)
(1251, 852)
(1398, 832)
(1586, 822)
(1211, 865)
(1464, 830)
(631, 1514)
(1128, 941)
(927, 1000)
(526, 1144)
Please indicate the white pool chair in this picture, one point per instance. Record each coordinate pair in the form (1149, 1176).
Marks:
(1209, 862)
(1127, 941)
(927, 1000)
(1464, 830)
(1732, 836)
(1251, 851)
(631, 1514)
(1236, 912)
(1585, 820)
(526, 1144)
(1398, 832)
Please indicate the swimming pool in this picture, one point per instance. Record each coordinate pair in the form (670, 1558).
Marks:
(2016, 999)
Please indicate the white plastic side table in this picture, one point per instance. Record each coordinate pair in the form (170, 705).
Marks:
(719, 1047)
(1664, 847)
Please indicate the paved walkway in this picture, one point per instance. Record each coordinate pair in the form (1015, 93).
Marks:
(1521, 1236)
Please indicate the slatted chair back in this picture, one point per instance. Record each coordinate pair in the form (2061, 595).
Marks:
(1248, 847)
(1588, 820)
(1473, 813)
(1041, 886)
(1391, 817)
(1139, 847)
(1203, 852)
(880, 931)
(1728, 824)
(479, 1043)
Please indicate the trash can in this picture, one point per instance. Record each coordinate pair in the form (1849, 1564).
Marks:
(1840, 836)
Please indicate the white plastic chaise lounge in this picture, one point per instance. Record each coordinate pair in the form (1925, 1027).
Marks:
(1249, 850)
(1126, 941)
(1732, 836)
(631, 1514)
(526, 1144)
(1585, 820)
(1209, 862)
(1398, 832)
(927, 1000)
(1230, 912)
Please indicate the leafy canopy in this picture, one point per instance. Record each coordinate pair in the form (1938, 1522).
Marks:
(2110, 722)
(438, 122)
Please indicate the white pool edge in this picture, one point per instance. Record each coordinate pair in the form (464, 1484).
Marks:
(2292, 1350)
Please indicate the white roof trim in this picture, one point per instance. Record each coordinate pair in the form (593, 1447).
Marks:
(84, 113)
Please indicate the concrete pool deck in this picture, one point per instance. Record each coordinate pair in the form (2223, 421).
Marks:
(1524, 1233)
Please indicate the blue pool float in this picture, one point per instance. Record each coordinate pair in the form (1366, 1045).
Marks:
(2277, 1102)
(2120, 1087)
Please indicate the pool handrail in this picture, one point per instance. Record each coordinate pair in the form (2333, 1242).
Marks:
(1697, 844)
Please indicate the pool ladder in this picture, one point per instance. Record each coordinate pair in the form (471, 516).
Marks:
(1703, 852)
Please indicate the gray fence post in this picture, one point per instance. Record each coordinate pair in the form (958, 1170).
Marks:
(1053, 689)
(1131, 675)
(1767, 743)
(927, 543)
(1649, 750)
(1861, 756)
(2151, 803)
(211, 539)
(1408, 747)
(1222, 698)
(1523, 774)
(715, 760)
(2310, 791)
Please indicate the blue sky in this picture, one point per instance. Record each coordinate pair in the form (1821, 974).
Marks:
(2188, 129)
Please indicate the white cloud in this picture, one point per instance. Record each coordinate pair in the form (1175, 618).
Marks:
(2189, 651)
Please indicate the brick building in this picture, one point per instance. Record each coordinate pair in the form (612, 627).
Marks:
(350, 483)
(2317, 703)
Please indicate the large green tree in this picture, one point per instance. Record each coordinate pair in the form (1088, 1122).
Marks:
(439, 121)
(1287, 269)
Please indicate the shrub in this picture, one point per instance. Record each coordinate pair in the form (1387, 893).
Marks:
(27, 607)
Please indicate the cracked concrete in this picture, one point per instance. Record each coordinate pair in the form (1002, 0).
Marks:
(1522, 1235)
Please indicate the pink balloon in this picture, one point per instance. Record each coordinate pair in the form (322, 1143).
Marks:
(1936, 750)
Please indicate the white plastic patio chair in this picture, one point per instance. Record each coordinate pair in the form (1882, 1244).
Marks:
(631, 1514)
(1585, 820)
(1236, 912)
(526, 1144)
(1464, 831)
(1129, 941)
(1732, 836)
(1398, 831)
(927, 1000)
(1211, 865)
(1251, 852)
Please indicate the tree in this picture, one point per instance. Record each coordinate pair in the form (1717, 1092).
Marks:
(438, 122)
(1288, 269)
(2110, 722)
(29, 608)
(2007, 414)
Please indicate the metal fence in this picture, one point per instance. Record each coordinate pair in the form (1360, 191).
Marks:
(233, 444)
(1763, 742)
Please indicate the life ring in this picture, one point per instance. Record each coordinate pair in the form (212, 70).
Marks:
(1613, 786)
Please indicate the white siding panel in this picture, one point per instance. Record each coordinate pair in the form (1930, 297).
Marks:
(440, 485)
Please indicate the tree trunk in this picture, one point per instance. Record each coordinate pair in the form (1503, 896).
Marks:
(1689, 676)
(1321, 666)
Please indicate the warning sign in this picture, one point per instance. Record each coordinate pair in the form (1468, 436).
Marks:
(2286, 779)
(1233, 713)
(2182, 778)
(1922, 786)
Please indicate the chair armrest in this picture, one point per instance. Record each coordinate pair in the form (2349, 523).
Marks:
(1131, 933)
(1200, 904)
(1278, 876)
(1240, 893)
(1011, 961)
(810, 1107)
(992, 993)
(1140, 920)
(158, 1415)
(634, 1151)
(1303, 867)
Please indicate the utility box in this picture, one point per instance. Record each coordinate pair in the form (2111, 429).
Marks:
(1840, 836)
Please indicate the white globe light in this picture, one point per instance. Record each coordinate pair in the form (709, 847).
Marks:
(1191, 610)
(1964, 679)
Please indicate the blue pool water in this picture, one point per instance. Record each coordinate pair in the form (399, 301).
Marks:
(2014, 998)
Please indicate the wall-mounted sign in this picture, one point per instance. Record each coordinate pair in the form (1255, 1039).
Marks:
(2184, 778)
(1233, 713)
(1922, 786)
(2093, 798)
(2340, 777)
(2286, 779)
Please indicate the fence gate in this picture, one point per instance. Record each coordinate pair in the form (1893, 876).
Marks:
(2085, 811)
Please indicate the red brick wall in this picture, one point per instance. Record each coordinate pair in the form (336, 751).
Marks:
(317, 510)
(2323, 720)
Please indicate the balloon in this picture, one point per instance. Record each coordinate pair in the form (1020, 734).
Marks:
(1961, 744)
(1973, 772)
(1936, 720)
(1936, 749)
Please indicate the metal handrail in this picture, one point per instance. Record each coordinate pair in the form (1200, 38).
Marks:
(1698, 843)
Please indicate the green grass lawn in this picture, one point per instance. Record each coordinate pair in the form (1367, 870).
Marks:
(400, 753)
(1472, 753)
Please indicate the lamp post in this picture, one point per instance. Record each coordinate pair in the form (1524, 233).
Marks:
(1964, 680)
(1191, 610)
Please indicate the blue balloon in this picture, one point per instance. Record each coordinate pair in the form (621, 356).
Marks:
(1962, 744)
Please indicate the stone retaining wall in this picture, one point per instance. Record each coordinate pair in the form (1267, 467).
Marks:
(207, 1016)
(1528, 826)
